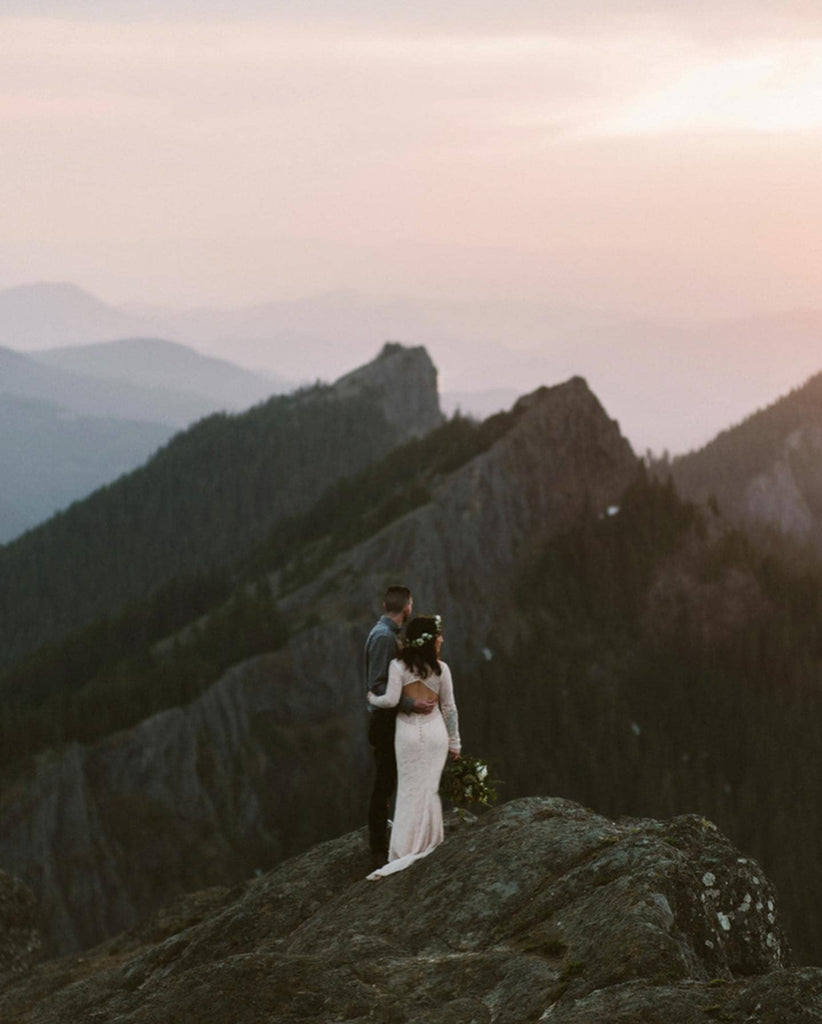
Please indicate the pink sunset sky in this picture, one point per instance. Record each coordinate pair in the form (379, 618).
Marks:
(620, 172)
(653, 157)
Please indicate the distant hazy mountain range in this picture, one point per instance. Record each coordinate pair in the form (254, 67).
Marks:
(128, 380)
(170, 372)
(74, 418)
(669, 384)
(59, 313)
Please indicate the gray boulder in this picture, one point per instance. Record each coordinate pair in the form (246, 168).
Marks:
(539, 911)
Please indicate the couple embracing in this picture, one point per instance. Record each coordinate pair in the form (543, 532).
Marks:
(413, 729)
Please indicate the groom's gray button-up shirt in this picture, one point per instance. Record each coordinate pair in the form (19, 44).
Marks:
(381, 648)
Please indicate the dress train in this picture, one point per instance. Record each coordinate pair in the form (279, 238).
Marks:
(421, 744)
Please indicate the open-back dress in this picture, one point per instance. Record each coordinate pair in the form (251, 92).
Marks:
(421, 743)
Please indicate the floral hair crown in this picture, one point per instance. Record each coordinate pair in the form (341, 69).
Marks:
(423, 638)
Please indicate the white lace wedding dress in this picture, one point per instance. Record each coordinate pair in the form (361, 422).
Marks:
(422, 743)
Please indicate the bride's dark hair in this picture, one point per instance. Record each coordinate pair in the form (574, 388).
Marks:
(419, 652)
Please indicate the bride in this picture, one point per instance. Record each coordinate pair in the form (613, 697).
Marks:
(422, 742)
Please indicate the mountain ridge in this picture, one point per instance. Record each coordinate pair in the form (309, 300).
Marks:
(169, 365)
(659, 378)
(764, 471)
(220, 776)
(207, 496)
(58, 312)
(103, 410)
(86, 395)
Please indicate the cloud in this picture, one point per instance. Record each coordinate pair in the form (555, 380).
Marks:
(773, 91)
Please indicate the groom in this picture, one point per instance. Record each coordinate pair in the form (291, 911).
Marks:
(381, 648)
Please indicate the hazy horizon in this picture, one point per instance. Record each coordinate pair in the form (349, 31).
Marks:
(590, 184)
(670, 386)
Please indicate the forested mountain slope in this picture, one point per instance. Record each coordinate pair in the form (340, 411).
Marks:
(767, 471)
(662, 663)
(273, 755)
(207, 497)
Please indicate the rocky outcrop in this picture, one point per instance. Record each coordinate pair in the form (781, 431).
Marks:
(189, 798)
(538, 911)
(403, 381)
(788, 494)
(457, 553)
(274, 757)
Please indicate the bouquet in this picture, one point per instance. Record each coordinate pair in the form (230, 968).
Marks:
(465, 781)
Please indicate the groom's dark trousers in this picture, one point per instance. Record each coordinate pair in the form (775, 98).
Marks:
(381, 726)
(380, 649)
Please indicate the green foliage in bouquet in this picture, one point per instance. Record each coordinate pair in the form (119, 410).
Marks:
(466, 781)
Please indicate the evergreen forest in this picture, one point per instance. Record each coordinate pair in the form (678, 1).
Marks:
(163, 650)
(633, 689)
(724, 467)
(202, 502)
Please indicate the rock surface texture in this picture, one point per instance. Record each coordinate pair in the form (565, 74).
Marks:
(404, 382)
(540, 911)
(20, 941)
(239, 779)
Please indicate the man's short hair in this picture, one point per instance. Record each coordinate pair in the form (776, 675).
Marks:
(396, 598)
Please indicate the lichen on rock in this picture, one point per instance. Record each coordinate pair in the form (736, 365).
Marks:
(539, 910)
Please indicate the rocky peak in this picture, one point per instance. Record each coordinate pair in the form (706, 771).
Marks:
(539, 911)
(404, 382)
(457, 552)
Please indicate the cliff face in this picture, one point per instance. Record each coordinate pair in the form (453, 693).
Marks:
(190, 797)
(788, 493)
(458, 551)
(766, 472)
(404, 383)
(539, 911)
(205, 794)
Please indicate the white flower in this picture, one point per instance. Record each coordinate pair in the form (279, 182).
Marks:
(482, 771)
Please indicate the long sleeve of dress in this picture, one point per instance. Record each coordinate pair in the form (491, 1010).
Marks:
(448, 707)
(393, 688)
